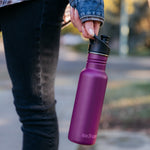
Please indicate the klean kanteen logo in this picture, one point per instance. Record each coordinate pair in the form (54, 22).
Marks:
(89, 136)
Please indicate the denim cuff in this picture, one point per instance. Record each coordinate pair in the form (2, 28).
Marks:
(89, 9)
(94, 18)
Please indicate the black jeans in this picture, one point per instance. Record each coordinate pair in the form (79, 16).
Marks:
(31, 32)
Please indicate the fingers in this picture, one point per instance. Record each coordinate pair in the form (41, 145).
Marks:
(78, 21)
(75, 19)
(84, 33)
(91, 28)
(96, 27)
(85, 30)
(72, 13)
(88, 28)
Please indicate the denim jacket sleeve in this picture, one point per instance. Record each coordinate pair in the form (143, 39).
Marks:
(89, 9)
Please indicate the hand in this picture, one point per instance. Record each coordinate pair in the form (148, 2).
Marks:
(88, 28)
(149, 2)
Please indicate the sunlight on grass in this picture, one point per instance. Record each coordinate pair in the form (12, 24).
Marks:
(140, 74)
(127, 105)
(126, 90)
(126, 102)
(117, 84)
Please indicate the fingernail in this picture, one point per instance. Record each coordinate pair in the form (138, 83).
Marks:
(91, 32)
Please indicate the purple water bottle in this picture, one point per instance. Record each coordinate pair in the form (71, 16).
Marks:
(90, 94)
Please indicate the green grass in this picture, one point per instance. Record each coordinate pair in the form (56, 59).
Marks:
(127, 106)
(141, 51)
(131, 90)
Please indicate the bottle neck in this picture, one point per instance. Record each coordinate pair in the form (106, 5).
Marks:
(96, 61)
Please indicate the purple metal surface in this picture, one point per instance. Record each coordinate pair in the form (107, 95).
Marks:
(89, 101)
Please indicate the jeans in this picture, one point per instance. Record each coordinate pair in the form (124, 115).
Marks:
(31, 32)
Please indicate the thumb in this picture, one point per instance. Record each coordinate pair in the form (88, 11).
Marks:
(89, 27)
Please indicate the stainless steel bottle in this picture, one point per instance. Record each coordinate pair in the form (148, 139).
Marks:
(90, 94)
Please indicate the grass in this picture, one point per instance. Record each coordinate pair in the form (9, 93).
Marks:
(83, 48)
(141, 51)
(128, 90)
(127, 106)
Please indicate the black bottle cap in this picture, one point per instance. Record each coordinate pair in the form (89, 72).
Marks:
(100, 46)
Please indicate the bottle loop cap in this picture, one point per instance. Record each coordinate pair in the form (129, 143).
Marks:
(100, 46)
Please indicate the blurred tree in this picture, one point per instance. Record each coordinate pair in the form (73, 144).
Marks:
(112, 8)
(139, 21)
(140, 26)
(124, 29)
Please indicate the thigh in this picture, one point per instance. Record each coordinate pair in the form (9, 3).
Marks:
(31, 31)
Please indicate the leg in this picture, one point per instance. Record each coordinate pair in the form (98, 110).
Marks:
(31, 32)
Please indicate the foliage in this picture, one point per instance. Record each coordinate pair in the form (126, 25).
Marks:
(70, 29)
(139, 23)
(126, 105)
(114, 5)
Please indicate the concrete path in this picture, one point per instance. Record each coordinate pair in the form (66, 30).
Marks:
(120, 140)
(69, 67)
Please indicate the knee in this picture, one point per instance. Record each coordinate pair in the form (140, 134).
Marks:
(31, 108)
(36, 118)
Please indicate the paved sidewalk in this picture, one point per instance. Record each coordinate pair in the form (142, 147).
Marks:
(69, 67)
(120, 140)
